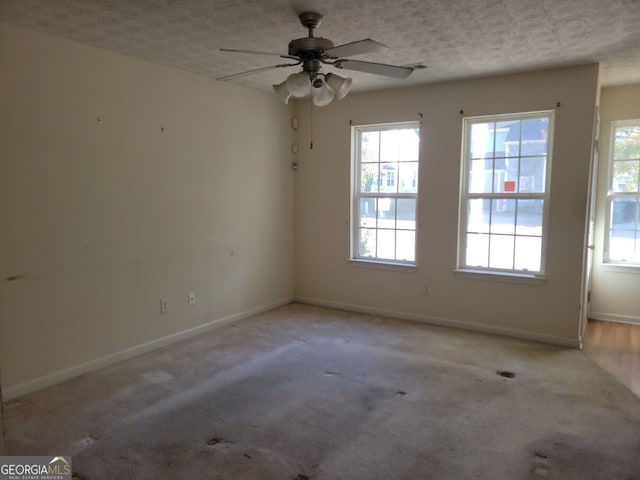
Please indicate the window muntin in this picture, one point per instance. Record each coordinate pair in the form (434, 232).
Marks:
(622, 243)
(385, 192)
(504, 193)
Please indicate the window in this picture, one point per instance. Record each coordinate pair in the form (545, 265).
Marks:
(391, 177)
(385, 186)
(505, 192)
(623, 232)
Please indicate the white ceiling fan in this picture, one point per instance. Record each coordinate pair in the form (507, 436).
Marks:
(312, 52)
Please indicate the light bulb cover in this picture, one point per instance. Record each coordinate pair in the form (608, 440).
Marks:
(282, 91)
(338, 84)
(298, 84)
(322, 96)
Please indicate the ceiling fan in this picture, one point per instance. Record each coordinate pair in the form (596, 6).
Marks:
(312, 52)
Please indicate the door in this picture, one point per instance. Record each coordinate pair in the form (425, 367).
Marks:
(589, 240)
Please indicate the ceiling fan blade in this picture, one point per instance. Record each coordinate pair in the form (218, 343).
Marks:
(254, 52)
(375, 68)
(356, 48)
(256, 70)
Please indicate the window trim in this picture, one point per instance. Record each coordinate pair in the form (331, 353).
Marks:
(464, 196)
(355, 197)
(626, 266)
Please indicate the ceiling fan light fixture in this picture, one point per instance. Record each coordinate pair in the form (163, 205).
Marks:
(282, 91)
(298, 84)
(322, 96)
(338, 84)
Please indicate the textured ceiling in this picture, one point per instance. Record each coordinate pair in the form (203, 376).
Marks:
(454, 38)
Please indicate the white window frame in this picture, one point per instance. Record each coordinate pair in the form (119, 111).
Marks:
(356, 193)
(611, 195)
(462, 266)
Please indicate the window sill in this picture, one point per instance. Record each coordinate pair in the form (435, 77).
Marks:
(379, 265)
(621, 267)
(523, 278)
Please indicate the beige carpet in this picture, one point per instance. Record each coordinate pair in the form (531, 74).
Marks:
(310, 393)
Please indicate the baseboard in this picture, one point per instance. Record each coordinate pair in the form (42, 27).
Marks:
(612, 317)
(445, 322)
(92, 365)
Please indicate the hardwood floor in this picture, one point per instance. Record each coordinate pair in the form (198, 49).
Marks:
(616, 348)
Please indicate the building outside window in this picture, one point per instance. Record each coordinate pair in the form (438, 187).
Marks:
(385, 192)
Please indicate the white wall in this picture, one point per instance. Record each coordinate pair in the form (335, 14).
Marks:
(184, 184)
(548, 311)
(614, 291)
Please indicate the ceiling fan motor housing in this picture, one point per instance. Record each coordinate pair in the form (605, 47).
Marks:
(309, 47)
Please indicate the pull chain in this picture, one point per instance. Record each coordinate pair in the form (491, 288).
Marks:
(311, 125)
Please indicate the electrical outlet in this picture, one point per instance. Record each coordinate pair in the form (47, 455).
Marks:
(164, 305)
(192, 298)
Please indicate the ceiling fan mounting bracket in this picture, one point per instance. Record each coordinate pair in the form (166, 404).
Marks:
(310, 20)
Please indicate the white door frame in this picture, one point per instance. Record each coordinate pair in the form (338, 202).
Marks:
(3, 450)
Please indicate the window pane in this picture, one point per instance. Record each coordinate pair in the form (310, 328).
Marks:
(406, 216)
(386, 213)
(481, 140)
(409, 144)
(367, 212)
(624, 235)
(386, 244)
(624, 214)
(532, 175)
(505, 176)
(508, 138)
(534, 135)
(625, 176)
(367, 245)
(503, 216)
(529, 220)
(627, 142)
(389, 177)
(408, 177)
(501, 252)
(389, 145)
(477, 254)
(507, 171)
(406, 246)
(369, 146)
(478, 215)
(528, 253)
(623, 245)
(480, 176)
(369, 177)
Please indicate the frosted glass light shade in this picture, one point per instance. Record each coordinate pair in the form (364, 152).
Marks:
(282, 91)
(298, 84)
(338, 84)
(322, 96)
